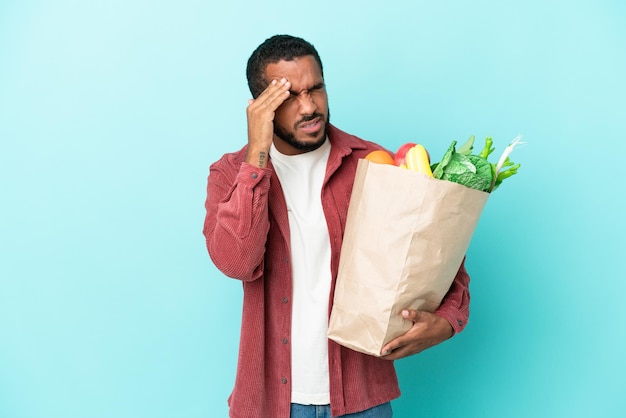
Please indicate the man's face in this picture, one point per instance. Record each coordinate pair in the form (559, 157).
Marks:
(300, 123)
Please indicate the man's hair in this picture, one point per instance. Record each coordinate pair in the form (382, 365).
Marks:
(274, 49)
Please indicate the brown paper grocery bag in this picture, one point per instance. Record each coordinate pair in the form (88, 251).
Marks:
(405, 238)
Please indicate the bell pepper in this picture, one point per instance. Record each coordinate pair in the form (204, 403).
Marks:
(417, 160)
(400, 156)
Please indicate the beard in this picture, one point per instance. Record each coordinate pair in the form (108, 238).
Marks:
(290, 138)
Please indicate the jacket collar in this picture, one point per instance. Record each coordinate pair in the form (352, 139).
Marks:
(342, 145)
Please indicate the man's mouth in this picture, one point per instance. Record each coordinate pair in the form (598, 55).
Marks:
(311, 126)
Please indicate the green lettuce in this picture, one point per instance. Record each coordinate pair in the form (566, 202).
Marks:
(474, 170)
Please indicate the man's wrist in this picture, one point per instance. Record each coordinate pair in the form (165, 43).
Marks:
(258, 157)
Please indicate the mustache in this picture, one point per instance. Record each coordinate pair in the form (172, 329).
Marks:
(309, 118)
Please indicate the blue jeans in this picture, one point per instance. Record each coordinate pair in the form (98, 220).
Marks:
(323, 411)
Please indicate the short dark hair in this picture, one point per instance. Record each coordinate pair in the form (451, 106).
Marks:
(274, 49)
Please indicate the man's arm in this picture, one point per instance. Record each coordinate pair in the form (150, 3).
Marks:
(260, 114)
(430, 329)
(237, 222)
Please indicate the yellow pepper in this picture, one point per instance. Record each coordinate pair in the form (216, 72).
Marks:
(417, 160)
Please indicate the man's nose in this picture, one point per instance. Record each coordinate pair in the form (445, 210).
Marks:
(307, 104)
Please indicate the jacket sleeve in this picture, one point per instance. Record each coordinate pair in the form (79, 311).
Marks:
(455, 304)
(237, 221)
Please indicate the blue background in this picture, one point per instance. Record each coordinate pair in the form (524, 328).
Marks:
(111, 112)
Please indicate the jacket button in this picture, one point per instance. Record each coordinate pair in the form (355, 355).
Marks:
(285, 299)
(284, 380)
(285, 340)
(254, 175)
(459, 322)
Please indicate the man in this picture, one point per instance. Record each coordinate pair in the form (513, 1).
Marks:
(276, 212)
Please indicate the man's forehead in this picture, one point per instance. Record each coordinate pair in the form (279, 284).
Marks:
(305, 67)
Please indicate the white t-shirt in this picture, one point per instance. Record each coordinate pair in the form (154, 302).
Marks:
(301, 177)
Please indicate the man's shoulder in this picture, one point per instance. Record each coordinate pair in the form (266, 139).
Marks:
(336, 134)
(233, 156)
(351, 143)
(231, 161)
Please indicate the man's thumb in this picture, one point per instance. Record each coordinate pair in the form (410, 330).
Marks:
(410, 314)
